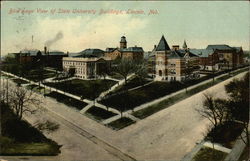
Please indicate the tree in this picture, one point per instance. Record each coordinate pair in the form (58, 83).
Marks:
(238, 107)
(71, 71)
(141, 70)
(125, 67)
(214, 109)
(21, 101)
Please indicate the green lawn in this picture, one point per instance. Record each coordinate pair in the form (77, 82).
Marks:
(120, 123)
(209, 154)
(170, 101)
(225, 134)
(84, 88)
(20, 138)
(131, 83)
(99, 114)
(71, 102)
(19, 81)
(130, 99)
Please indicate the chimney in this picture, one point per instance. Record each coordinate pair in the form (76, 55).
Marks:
(45, 50)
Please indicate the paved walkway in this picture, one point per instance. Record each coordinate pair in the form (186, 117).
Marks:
(217, 147)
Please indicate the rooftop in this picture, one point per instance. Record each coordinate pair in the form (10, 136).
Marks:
(163, 45)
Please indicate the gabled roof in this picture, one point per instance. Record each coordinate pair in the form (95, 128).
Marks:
(90, 53)
(31, 52)
(132, 49)
(219, 47)
(163, 45)
(180, 54)
(238, 49)
(202, 52)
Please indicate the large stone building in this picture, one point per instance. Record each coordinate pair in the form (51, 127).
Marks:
(88, 64)
(176, 64)
(208, 59)
(230, 57)
(124, 52)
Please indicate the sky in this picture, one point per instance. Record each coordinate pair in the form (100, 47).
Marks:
(199, 23)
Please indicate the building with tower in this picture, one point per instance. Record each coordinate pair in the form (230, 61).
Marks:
(124, 52)
(175, 64)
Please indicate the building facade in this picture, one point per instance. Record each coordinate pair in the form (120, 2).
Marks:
(124, 52)
(176, 64)
(88, 64)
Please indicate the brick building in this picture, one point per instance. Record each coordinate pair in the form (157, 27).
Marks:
(176, 64)
(124, 52)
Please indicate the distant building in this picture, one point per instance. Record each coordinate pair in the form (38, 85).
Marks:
(176, 64)
(230, 57)
(208, 59)
(124, 52)
(88, 64)
(47, 58)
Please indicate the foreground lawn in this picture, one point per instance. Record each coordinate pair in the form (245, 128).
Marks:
(71, 102)
(209, 154)
(120, 123)
(20, 138)
(84, 88)
(99, 114)
(226, 134)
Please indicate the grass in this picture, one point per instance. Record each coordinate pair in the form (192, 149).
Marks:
(99, 114)
(225, 134)
(131, 99)
(120, 123)
(20, 138)
(174, 99)
(84, 88)
(37, 89)
(34, 149)
(19, 81)
(71, 102)
(132, 83)
(209, 154)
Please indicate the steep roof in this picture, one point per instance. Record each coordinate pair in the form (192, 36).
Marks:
(31, 52)
(90, 53)
(238, 49)
(163, 45)
(180, 54)
(202, 52)
(219, 47)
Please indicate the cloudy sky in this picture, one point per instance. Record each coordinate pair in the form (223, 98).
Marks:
(199, 23)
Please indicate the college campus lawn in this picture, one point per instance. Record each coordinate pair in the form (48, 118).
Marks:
(130, 99)
(71, 102)
(20, 138)
(120, 123)
(99, 114)
(209, 154)
(19, 81)
(131, 83)
(84, 88)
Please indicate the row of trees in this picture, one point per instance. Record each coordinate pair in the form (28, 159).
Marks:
(235, 108)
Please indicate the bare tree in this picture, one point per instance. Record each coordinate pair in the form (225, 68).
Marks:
(215, 110)
(125, 67)
(22, 100)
